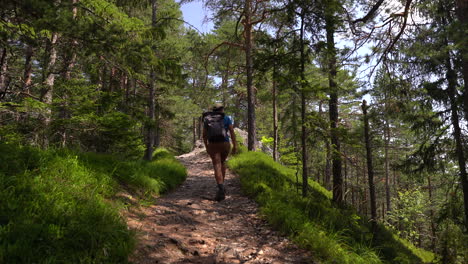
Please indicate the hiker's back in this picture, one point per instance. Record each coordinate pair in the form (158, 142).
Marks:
(215, 126)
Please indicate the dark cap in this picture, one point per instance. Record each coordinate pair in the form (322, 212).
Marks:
(218, 107)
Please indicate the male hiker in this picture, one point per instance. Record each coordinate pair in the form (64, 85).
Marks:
(216, 139)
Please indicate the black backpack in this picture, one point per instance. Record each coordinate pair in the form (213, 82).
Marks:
(214, 124)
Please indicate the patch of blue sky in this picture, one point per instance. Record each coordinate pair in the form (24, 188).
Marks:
(196, 15)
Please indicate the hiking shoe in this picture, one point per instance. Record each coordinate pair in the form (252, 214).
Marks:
(220, 195)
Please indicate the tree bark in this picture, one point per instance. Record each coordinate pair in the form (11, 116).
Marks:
(457, 133)
(48, 90)
(387, 165)
(433, 227)
(275, 113)
(251, 128)
(462, 15)
(27, 76)
(3, 70)
(370, 167)
(303, 114)
(150, 136)
(70, 63)
(346, 176)
(333, 108)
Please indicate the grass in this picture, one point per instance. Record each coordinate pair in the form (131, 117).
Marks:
(335, 234)
(56, 205)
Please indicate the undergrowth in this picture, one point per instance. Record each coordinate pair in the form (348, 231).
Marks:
(335, 234)
(56, 205)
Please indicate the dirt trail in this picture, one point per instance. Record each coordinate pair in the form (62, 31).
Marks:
(187, 226)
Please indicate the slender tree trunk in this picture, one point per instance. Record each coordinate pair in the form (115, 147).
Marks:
(345, 182)
(462, 15)
(158, 132)
(294, 135)
(251, 128)
(48, 90)
(71, 61)
(69, 65)
(112, 79)
(457, 133)
(433, 227)
(200, 127)
(333, 109)
(150, 136)
(3, 70)
(387, 165)
(27, 76)
(352, 188)
(364, 193)
(194, 131)
(370, 167)
(303, 114)
(275, 114)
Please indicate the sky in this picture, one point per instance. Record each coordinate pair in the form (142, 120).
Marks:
(194, 13)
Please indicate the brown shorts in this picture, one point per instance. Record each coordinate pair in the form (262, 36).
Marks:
(223, 148)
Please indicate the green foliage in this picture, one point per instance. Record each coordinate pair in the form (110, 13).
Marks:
(408, 214)
(333, 233)
(58, 205)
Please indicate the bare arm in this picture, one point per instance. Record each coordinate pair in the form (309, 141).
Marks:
(233, 137)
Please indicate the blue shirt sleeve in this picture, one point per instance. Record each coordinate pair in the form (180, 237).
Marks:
(227, 121)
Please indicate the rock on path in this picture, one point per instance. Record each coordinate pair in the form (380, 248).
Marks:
(187, 226)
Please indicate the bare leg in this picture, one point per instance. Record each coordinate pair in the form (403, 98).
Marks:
(223, 168)
(218, 168)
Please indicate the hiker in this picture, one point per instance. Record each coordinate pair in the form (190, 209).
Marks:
(215, 127)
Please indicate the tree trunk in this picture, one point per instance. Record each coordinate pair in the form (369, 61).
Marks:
(3, 70)
(364, 194)
(194, 131)
(150, 136)
(457, 133)
(433, 227)
(387, 165)
(275, 114)
(48, 90)
(346, 176)
(70, 63)
(462, 15)
(333, 109)
(158, 132)
(303, 114)
(294, 136)
(27, 76)
(251, 128)
(370, 167)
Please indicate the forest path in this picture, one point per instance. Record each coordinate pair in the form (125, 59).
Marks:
(187, 226)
